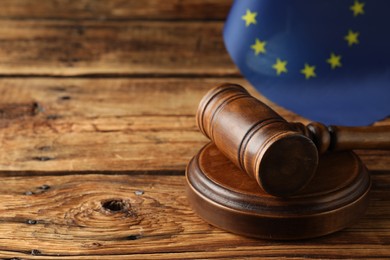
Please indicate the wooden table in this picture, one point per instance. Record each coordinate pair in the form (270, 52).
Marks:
(97, 105)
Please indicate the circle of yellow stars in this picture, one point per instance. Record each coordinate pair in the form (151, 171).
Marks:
(334, 60)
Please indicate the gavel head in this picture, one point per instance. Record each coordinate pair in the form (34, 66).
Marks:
(257, 140)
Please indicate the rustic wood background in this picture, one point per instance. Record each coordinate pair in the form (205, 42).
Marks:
(97, 105)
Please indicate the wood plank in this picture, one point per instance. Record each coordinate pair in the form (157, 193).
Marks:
(96, 98)
(115, 9)
(132, 125)
(114, 48)
(103, 124)
(141, 215)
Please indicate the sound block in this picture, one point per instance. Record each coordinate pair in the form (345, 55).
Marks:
(228, 198)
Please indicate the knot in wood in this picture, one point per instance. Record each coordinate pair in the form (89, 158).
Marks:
(115, 205)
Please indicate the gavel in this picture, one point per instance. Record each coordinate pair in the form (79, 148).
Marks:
(281, 156)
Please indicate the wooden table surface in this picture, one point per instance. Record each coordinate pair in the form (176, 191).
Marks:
(97, 105)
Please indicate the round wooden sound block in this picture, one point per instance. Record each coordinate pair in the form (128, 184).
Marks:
(228, 198)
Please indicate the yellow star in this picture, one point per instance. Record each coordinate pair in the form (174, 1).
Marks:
(308, 71)
(352, 38)
(259, 46)
(249, 18)
(280, 66)
(357, 8)
(334, 60)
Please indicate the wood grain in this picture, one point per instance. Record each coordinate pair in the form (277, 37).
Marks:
(144, 216)
(112, 48)
(104, 125)
(115, 9)
(134, 125)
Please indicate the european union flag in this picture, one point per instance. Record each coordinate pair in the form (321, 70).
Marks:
(326, 60)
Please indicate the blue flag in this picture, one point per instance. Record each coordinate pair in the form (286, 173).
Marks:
(326, 60)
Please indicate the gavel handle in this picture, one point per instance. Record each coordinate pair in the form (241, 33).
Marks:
(337, 138)
(370, 137)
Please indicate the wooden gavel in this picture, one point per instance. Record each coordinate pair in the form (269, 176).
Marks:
(281, 156)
